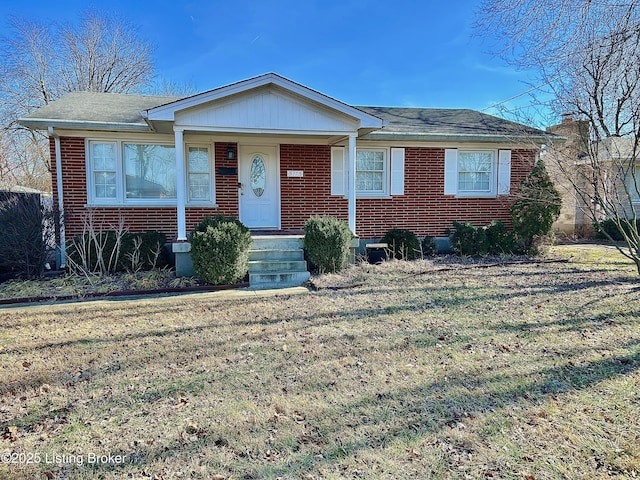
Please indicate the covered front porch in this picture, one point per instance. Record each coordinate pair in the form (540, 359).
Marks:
(261, 121)
(269, 144)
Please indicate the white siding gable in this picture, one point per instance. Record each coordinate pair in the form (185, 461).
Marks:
(265, 109)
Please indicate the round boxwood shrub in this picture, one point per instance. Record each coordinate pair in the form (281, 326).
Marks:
(327, 241)
(220, 250)
(403, 244)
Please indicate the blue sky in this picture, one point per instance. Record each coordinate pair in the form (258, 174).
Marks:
(391, 53)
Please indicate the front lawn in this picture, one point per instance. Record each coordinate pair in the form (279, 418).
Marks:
(407, 370)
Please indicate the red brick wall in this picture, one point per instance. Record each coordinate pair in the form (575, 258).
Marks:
(137, 219)
(423, 208)
(309, 195)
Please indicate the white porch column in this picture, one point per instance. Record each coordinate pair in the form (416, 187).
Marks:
(351, 155)
(180, 185)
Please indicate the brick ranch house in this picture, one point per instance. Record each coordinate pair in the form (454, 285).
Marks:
(273, 153)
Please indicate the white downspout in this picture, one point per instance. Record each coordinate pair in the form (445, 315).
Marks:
(58, 162)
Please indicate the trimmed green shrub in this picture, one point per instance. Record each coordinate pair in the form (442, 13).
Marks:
(536, 208)
(327, 241)
(493, 239)
(220, 250)
(608, 229)
(500, 240)
(429, 247)
(468, 239)
(99, 252)
(403, 244)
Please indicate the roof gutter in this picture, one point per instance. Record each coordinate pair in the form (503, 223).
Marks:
(45, 124)
(58, 162)
(382, 135)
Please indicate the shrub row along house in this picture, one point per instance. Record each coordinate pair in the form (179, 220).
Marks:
(273, 153)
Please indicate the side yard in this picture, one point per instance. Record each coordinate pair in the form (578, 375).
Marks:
(401, 370)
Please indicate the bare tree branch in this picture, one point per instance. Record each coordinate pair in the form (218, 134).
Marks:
(41, 62)
(587, 53)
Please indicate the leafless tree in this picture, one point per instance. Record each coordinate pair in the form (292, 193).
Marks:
(104, 55)
(587, 54)
(41, 62)
(170, 88)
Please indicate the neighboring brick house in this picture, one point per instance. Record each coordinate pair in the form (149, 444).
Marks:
(579, 167)
(273, 153)
(562, 161)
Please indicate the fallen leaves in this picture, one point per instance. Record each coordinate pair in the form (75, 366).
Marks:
(10, 433)
(432, 387)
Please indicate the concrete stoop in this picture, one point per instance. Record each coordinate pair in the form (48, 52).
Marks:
(277, 262)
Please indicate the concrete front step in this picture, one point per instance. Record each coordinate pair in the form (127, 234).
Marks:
(284, 255)
(262, 266)
(277, 279)
(276, 242)
(277, 261)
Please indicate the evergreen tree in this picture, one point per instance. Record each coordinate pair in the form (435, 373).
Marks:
(537, 207)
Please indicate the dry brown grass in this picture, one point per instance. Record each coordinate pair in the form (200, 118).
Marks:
(523, 372)
(79, 286)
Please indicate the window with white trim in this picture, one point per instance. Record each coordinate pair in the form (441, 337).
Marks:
(129, 173)
(379, 171)
(199, 178)
(476, 171)
(371, 171)
(104, 174)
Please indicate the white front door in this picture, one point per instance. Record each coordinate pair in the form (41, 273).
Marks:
(259, 183)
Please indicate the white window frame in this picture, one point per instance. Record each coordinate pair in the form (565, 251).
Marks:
(212, 176)
(493, 174)
(141, 201)
(385, 174)
(91, 185)
(120, 200)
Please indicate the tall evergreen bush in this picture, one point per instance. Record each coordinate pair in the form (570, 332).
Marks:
(536, 208)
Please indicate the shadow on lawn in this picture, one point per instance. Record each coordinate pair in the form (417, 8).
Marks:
(441, 406)
(416, 411)
(384, 297)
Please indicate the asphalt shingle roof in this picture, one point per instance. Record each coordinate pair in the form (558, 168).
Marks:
(93, 107)
(444, 122)
(419, 123)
